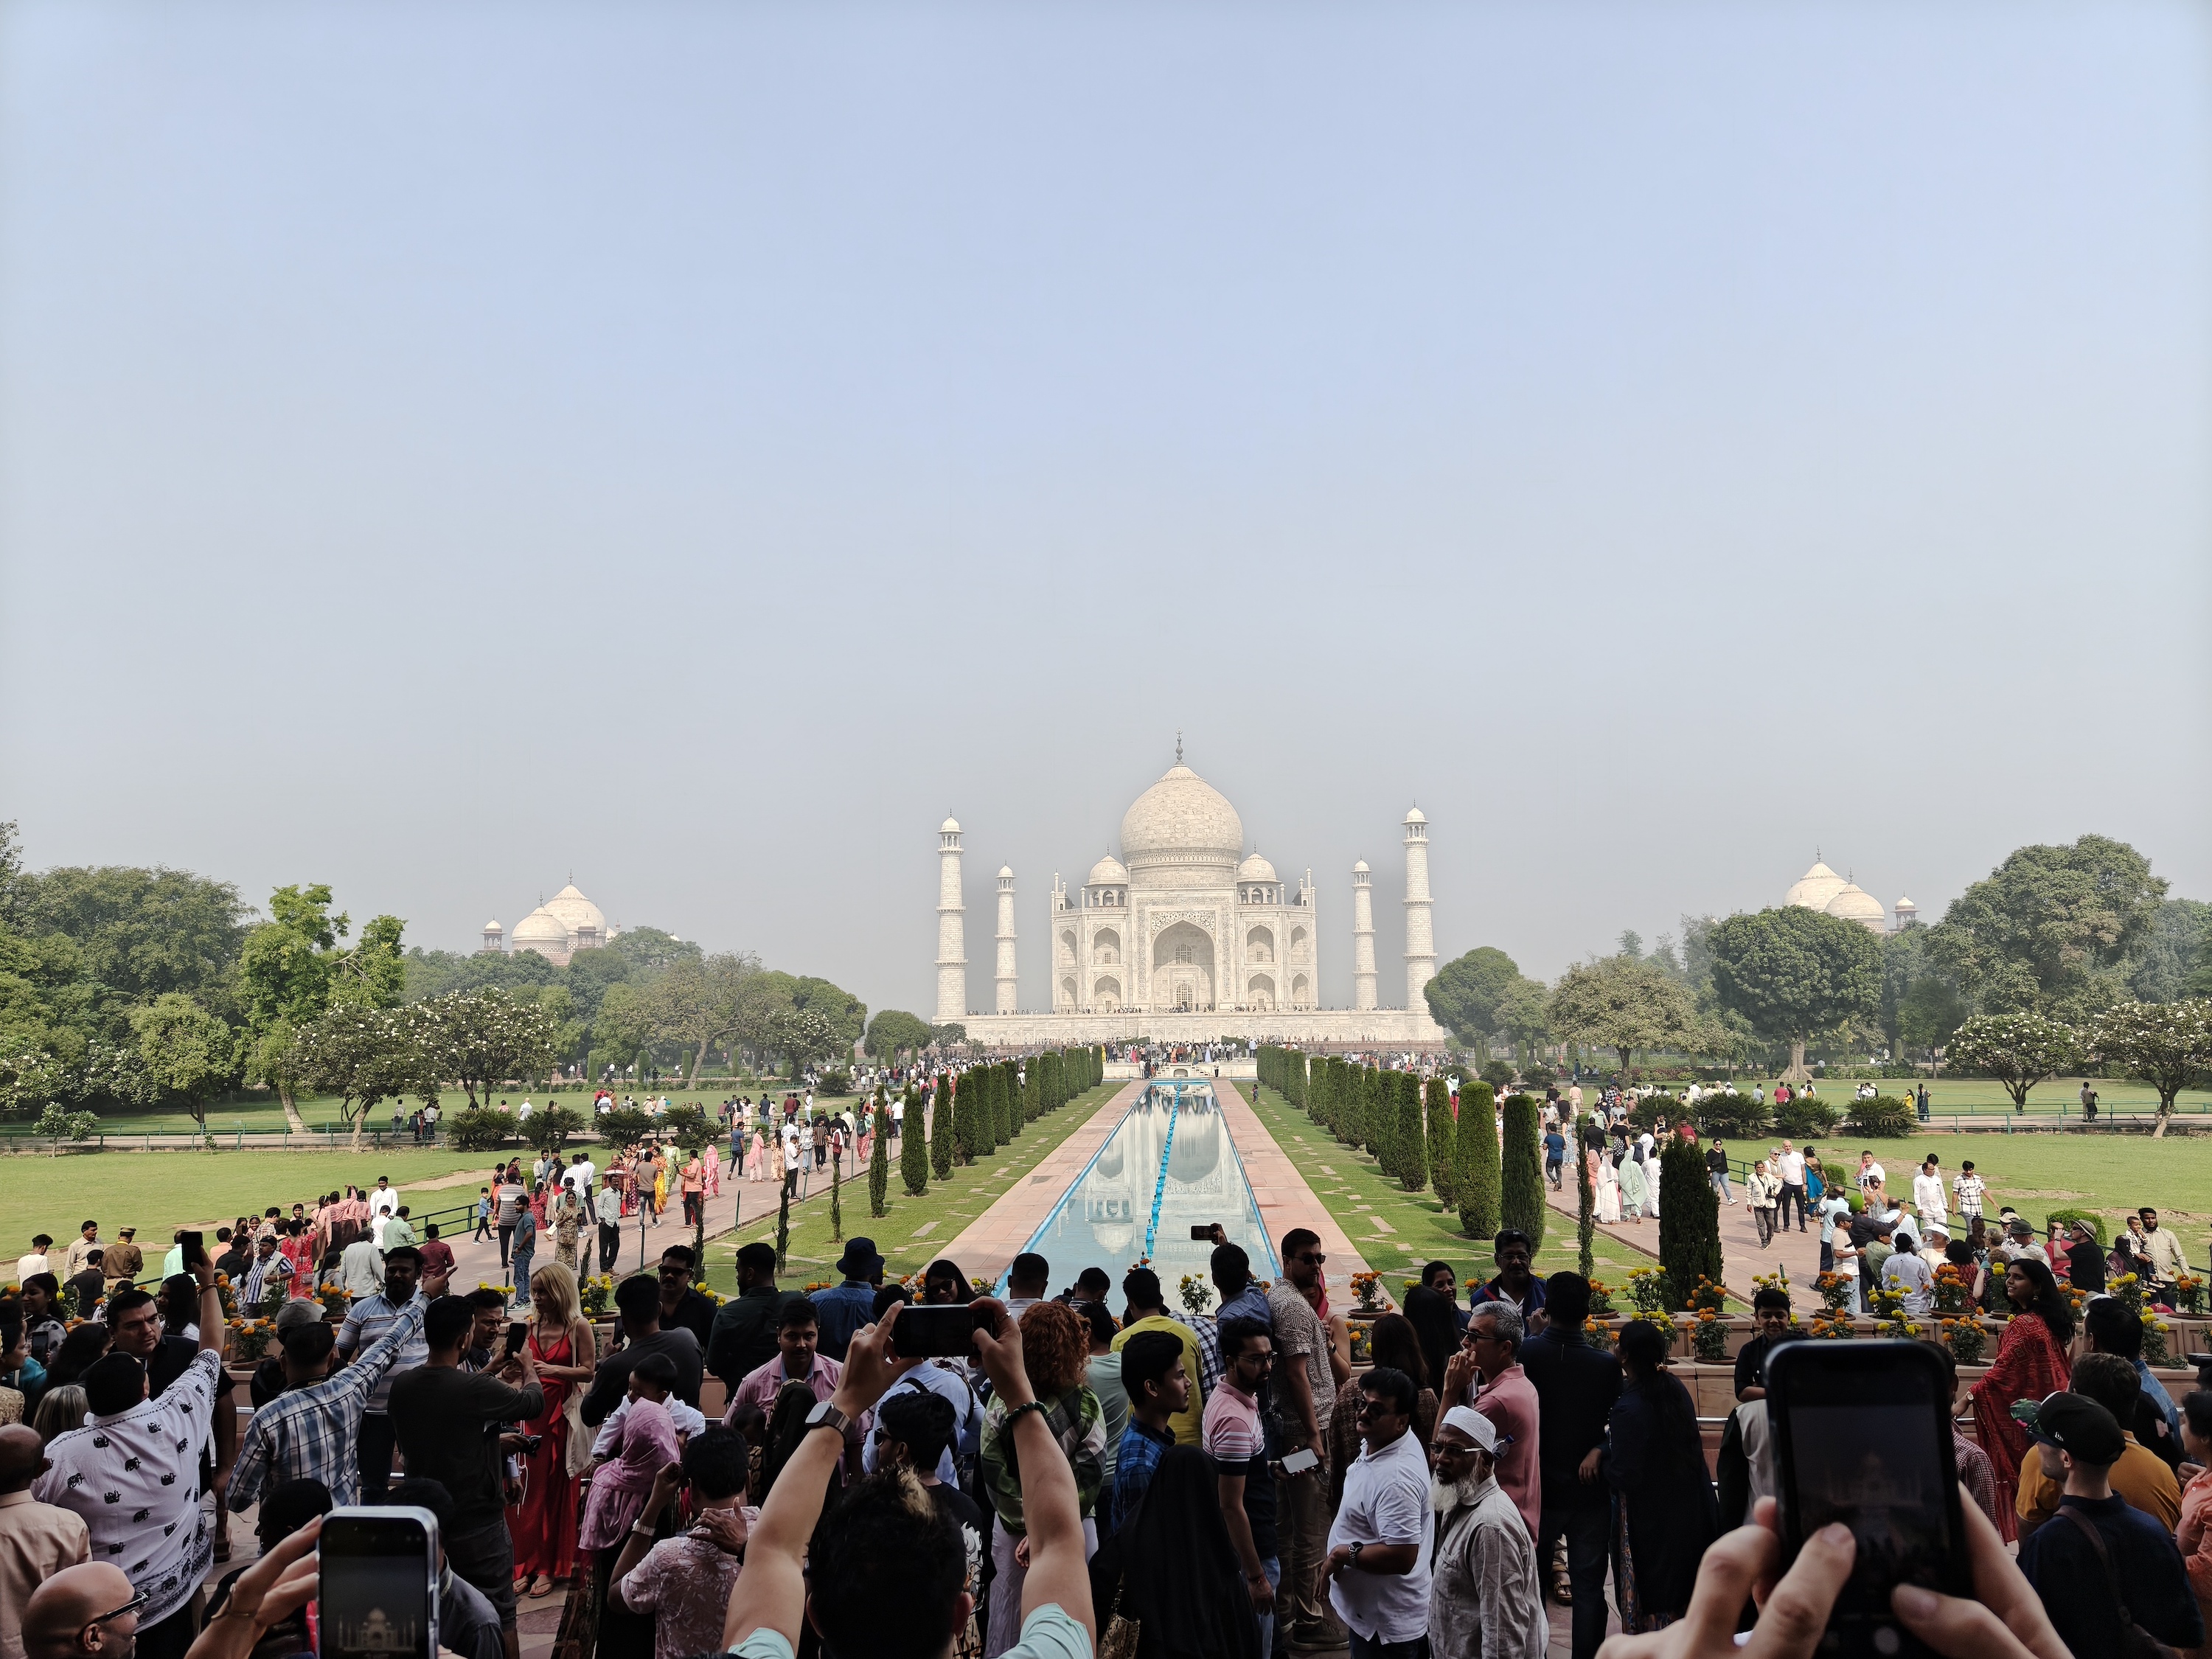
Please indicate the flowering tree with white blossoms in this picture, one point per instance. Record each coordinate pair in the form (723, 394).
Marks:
(2167, 1044)
(2019, 1050)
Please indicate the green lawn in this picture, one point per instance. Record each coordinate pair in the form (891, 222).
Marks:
(1358, 1195)
(1981, 1098)
(159, 1192)
(912, 1231)
(2037, 1173)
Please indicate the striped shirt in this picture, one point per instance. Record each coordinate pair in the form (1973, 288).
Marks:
(366, 1323)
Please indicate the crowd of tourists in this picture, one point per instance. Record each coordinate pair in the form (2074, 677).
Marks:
(1099, 1473)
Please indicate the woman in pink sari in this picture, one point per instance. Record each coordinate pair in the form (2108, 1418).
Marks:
(2031, 1362)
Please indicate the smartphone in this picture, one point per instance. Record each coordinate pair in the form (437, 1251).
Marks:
(1204, 1232)
(517, 1332)
(194, 1246)
(1299, 1462)
(377, 1583)
(947, 1333)
(1861, 1435)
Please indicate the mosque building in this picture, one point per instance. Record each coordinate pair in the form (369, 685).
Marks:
(558, 928)
(1183, 935)
(1821, 889)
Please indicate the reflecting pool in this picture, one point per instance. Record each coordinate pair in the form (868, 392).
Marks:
(1169, 1165)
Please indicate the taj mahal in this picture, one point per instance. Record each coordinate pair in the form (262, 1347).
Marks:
(1186, 937)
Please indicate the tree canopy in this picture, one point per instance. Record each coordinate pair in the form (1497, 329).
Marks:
(1793, 973)
(1464, 995)
(2048, 931)
(894, 1030)
(1623, 1003)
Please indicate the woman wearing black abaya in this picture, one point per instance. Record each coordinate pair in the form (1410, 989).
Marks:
(1435, 1327)
(1664, 1511)
(1173, 1571)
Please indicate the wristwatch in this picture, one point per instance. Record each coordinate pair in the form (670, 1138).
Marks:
(827, 1416)
(1356, 1549)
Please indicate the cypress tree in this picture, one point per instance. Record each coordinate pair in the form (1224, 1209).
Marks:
(783, 1224)
(951, 1146)
(1443, 1142)
(836, 1196)
(914, 1150)
(1010, 1114)
(1475, 1179)
(879, 1158)
(1412, 1140)
(1521, 1198)
(1377, 1116)
(1689, 1220)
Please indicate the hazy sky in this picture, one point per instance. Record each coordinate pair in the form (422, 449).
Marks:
(444, 447)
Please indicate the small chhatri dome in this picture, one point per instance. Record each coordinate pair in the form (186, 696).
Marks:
(1416, 817)
(1107, 872)
(949, 827)
(1360, 868)
(1006, 872)
(491, 927)
(1815, 888)
(1255, 868)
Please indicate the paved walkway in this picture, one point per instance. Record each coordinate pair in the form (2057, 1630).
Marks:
(1741, 1257)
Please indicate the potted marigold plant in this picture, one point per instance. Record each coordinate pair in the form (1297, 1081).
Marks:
(1709, 1337)
(1965, 1338)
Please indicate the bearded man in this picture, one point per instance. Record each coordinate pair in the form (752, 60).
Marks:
(1485, 1602)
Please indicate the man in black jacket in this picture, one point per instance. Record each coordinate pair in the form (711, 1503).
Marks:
(1576, 1387)
(743, 1337)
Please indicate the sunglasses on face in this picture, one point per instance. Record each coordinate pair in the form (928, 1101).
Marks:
(132, 1606)
(1313, 1257)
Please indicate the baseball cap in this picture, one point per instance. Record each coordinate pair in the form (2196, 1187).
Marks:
(2073, 1422)
(298, 1311)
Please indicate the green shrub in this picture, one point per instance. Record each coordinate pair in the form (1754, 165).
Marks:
(1689, 1221)
(1475, 1177)
(1732, 1117)
(914, 1150)
(1521, 1199)
(478, 1129)
(945, 1143)
(880, 1158)
(1498, 1074)
(1411, 1143)
(1802, 1120)
(1442, 1141)
(1885, 1117)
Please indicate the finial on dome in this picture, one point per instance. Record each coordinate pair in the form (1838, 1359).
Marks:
(1178, 745)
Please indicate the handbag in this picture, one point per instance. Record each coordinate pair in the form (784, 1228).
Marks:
(1119, 1639)
(580, 1437)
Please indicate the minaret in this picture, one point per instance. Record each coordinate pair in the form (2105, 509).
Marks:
(1009, 993)
(1420, 934)
(951, 928)
(1363, 937)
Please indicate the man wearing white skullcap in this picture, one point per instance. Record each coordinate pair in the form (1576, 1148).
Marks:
(1485, 1602)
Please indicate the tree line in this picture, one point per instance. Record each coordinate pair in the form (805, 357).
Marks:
(125, 987)
(2063, 956)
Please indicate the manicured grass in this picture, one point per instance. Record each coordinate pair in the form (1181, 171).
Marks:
(2037, 1173)
(159, 1191)
(914, 1231)
(1359, 1196)
(1981, 1099)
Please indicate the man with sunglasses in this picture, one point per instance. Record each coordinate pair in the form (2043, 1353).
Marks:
(85, 1612)
(1305, 1394)
(681, 1308)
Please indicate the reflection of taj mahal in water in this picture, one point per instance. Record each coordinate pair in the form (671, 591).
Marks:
(1186, 937)
(1172, 1150)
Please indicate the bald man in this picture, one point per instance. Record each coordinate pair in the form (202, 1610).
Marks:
(77, 1614)
(37, 1541)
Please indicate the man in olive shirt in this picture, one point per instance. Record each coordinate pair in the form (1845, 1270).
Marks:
(446, 1419)
(123, 1261)
(743, 1338)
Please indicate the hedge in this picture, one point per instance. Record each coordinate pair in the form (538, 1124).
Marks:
(1520, 1200)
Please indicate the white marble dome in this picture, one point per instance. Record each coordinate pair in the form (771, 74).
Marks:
(541, 930)
(1182, 821)
(1107, 872)
(1815, 888)
(949, 827)
(1856, 905)
(1255, 868)
(575, 913)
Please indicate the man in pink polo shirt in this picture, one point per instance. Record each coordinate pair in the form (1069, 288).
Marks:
(1506, 1397)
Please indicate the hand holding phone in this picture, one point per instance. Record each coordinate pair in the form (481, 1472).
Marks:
(377, 1586)
(194, 1247)
(946, 1331)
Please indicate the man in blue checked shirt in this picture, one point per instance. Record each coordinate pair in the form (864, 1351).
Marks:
(308, 1433)
(366, 1323)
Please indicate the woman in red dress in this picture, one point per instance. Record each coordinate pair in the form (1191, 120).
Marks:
(2031, 1362)
(543, 1524)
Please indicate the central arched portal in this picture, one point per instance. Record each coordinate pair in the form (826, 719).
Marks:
(1183, 969)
